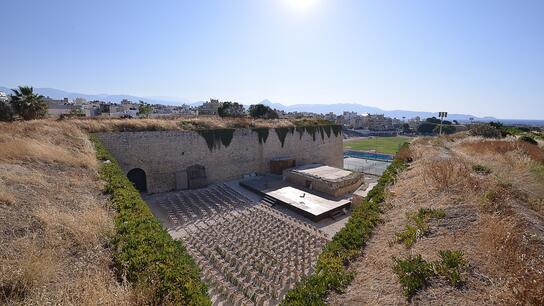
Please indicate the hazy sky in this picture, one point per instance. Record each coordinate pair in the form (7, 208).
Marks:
(479, 57)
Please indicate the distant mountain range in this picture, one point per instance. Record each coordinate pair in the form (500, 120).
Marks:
(337, 108)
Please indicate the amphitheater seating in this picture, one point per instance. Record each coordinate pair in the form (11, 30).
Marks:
(249, 253)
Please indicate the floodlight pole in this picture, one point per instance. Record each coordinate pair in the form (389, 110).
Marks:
(442, 115)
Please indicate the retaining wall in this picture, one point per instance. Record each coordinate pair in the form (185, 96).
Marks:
(226, 154)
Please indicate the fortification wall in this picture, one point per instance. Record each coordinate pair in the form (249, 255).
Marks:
(225, 154)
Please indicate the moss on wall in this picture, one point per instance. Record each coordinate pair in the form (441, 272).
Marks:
(300, 131)
(327, 129)
(337, 129)
(262, 133)
(282, 133)
(214, 138)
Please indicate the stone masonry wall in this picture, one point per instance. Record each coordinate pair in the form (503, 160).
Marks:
(165, 155)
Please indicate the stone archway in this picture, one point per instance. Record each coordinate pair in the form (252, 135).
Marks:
(138, 178)
(196, 177)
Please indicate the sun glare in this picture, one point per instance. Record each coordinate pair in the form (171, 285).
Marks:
(300, 5)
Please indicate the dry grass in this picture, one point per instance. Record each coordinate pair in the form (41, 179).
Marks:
(447, 174)
(495, 147)
(6, 198)
(201, 122)
(496, 220)
(55, 230)
(47, 141)
(511, 250)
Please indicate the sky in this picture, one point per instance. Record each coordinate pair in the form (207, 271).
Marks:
(463, 56)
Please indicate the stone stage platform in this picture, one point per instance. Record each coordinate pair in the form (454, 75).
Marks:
(309, 203)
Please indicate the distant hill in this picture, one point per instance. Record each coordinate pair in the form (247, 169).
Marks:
(339, 108)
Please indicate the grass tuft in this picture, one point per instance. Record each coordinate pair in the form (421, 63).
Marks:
(418, 227)
(481, 169)
(450, 266)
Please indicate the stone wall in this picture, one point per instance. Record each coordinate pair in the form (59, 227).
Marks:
(225, 154)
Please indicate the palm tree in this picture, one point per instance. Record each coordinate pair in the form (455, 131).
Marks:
(27, 104)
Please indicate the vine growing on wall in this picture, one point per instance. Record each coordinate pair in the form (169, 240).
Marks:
(282, 133)
(262, 134)
(323, 129)
(215, 137)
(337, 129)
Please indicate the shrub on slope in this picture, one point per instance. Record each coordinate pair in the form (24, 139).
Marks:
(144, 253)
(331, 271)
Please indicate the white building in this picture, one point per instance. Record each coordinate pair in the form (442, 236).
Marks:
(3, 97)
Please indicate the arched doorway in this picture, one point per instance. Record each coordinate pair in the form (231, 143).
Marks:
(196, 177)
(137, 177)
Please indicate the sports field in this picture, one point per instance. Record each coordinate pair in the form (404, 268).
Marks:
(389, 145)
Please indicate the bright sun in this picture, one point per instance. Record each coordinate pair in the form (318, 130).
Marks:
(300, 5)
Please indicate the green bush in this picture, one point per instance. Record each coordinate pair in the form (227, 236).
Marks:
(144, 253)
(413, 273)
(450, 266)
(528, 139)
(420, 228)
(331, 269)
(481, 169)
(486, 131)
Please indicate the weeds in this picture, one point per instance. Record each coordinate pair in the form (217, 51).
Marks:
(528, 139)
(419, 227)
(451, 265)
(481, 169)
(414, 272)
(445, 173)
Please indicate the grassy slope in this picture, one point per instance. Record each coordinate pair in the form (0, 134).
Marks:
(55, 224)
(495, 219)
(389, 145)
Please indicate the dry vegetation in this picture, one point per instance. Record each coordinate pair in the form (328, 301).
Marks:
(55, 223)
(492, 194)
(202, 122)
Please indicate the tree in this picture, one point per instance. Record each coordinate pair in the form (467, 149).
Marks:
(231, 109)
(144, 109)
(446, 129)
(405, 127)
(27, 104)
(6, 113)
(426, 127)
(262, 111)
(436, 120)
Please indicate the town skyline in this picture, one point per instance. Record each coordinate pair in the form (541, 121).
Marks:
(318, 108)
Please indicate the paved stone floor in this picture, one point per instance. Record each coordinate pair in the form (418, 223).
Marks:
(249, 253)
